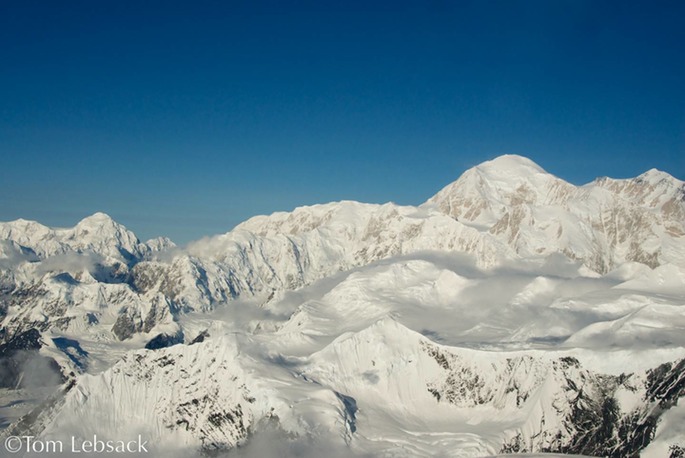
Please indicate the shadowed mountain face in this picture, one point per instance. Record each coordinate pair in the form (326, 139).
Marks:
(512, 312)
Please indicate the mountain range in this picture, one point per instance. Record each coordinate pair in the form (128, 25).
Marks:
(511, 312)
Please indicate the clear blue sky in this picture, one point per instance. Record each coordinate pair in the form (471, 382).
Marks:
(185, 118)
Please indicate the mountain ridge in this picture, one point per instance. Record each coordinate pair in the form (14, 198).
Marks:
(511, 312)
(507, 216)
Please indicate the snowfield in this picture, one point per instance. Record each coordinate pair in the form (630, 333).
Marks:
(513, 312)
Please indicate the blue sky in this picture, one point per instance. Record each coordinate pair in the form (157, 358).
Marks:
(185, 118)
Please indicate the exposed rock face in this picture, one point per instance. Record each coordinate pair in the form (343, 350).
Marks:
(596, 424)
(164, 340)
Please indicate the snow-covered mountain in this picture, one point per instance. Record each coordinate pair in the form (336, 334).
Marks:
(384, 390)
(265, 255)
(603, 223)
(74, 280)
(512, 312)
(98, 234)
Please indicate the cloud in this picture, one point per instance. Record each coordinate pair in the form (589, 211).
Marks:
(271, 441)
(71, 262)
(12, 254)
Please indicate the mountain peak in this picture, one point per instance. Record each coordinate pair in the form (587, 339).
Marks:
(99, 222)
(654, 176)
(99, 232)
(97, 218)
(482, 194)
(510, 164)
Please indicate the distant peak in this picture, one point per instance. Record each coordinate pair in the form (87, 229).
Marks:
(97, 220)
(654, 176)
(26, 222)
(511, 162)
(97, 217)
